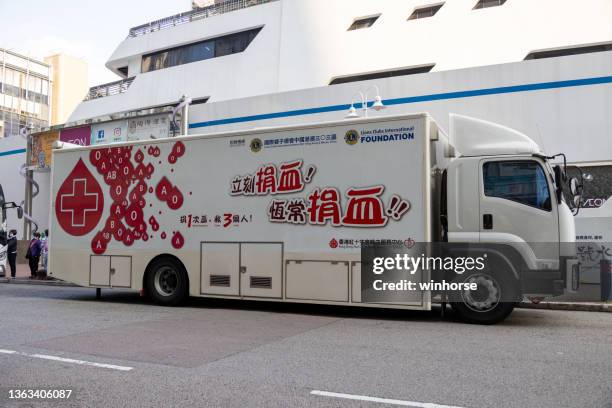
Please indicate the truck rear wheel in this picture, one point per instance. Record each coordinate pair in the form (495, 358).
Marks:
(488, 304)
(166, 282)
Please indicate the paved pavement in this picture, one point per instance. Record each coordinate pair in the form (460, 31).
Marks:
(122, 352)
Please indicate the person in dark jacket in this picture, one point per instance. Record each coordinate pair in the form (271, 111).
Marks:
(12, 251)
(33, 254)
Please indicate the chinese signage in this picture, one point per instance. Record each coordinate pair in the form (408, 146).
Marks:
(149, 127)
(358, 207)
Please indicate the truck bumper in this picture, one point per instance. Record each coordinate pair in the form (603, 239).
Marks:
(552, 283)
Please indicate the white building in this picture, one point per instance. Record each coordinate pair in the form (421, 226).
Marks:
(543, 67)
(300, 44)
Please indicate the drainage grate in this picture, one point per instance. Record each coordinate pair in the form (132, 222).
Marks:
(220, 280)
(261, 282)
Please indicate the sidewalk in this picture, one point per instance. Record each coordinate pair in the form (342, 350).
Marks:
(22, 276)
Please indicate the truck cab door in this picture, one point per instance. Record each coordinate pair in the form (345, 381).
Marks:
(518, 205)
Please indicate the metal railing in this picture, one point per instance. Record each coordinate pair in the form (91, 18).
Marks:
(111, 88)
(220, 7)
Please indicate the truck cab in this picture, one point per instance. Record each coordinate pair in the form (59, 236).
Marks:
(504, 195)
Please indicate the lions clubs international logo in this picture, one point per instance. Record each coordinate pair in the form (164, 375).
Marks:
(79, 202)
(351, 137)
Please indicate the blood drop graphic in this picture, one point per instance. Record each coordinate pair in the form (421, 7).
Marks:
(163, 188)
(177, 240)
(139, 156)
(178, 149)
(175, 199)
(98, 244)
(79, 202)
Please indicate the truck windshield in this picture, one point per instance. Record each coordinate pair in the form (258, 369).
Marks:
(522, 181)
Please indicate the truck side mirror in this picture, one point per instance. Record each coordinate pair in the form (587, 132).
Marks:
(574, 186)
(19, 212)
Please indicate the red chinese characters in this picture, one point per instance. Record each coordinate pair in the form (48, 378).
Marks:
(360, 207)
(272, 180)
(364, 208)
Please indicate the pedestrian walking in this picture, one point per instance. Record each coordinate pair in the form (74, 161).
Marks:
(45, 250)
(33, 254)
(12, 251)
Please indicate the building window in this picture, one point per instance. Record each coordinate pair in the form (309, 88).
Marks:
(488, 3)
(425, 11)
(421, 69)
(581, 49)
(519, 181)
(200, 51)
(363, 22)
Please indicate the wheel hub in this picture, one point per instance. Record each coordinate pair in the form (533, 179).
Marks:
(166, 281)
(485, 297)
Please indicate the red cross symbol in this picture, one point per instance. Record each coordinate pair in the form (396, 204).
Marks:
(79, 202)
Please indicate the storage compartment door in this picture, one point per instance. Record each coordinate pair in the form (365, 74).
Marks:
(318, 280)
(220, 263)
(99, 273)
(261, 266)
(121, 271)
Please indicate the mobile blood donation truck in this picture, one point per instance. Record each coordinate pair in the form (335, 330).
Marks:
(281, 214)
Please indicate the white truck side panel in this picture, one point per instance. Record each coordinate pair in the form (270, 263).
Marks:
(368, 179)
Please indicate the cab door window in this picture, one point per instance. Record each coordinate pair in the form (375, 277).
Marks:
(522, 181)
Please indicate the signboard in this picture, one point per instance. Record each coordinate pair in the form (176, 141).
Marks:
(149, 127)
(109, 132)
(42, 145)
(594, 240)
(79, 136)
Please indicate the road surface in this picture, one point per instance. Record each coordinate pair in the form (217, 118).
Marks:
(122, 352)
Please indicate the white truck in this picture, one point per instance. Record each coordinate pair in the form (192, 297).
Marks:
(280, 214)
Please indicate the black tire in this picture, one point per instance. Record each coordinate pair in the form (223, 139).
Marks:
(484, 306)
(166, 282)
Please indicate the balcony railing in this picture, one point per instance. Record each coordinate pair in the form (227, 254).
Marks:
(112, 88)
(220, 7)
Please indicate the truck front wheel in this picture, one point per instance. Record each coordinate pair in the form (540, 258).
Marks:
(488, 304)
(166, 282)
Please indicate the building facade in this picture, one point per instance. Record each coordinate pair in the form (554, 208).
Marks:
(34, 94)
(25, 93)
(70, 83)
(234, 49)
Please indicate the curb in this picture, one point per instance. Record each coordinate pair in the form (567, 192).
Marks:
(20, 281)
(574, 306)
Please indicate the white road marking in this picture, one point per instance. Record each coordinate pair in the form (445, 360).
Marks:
(380, 400)
(68, 360)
